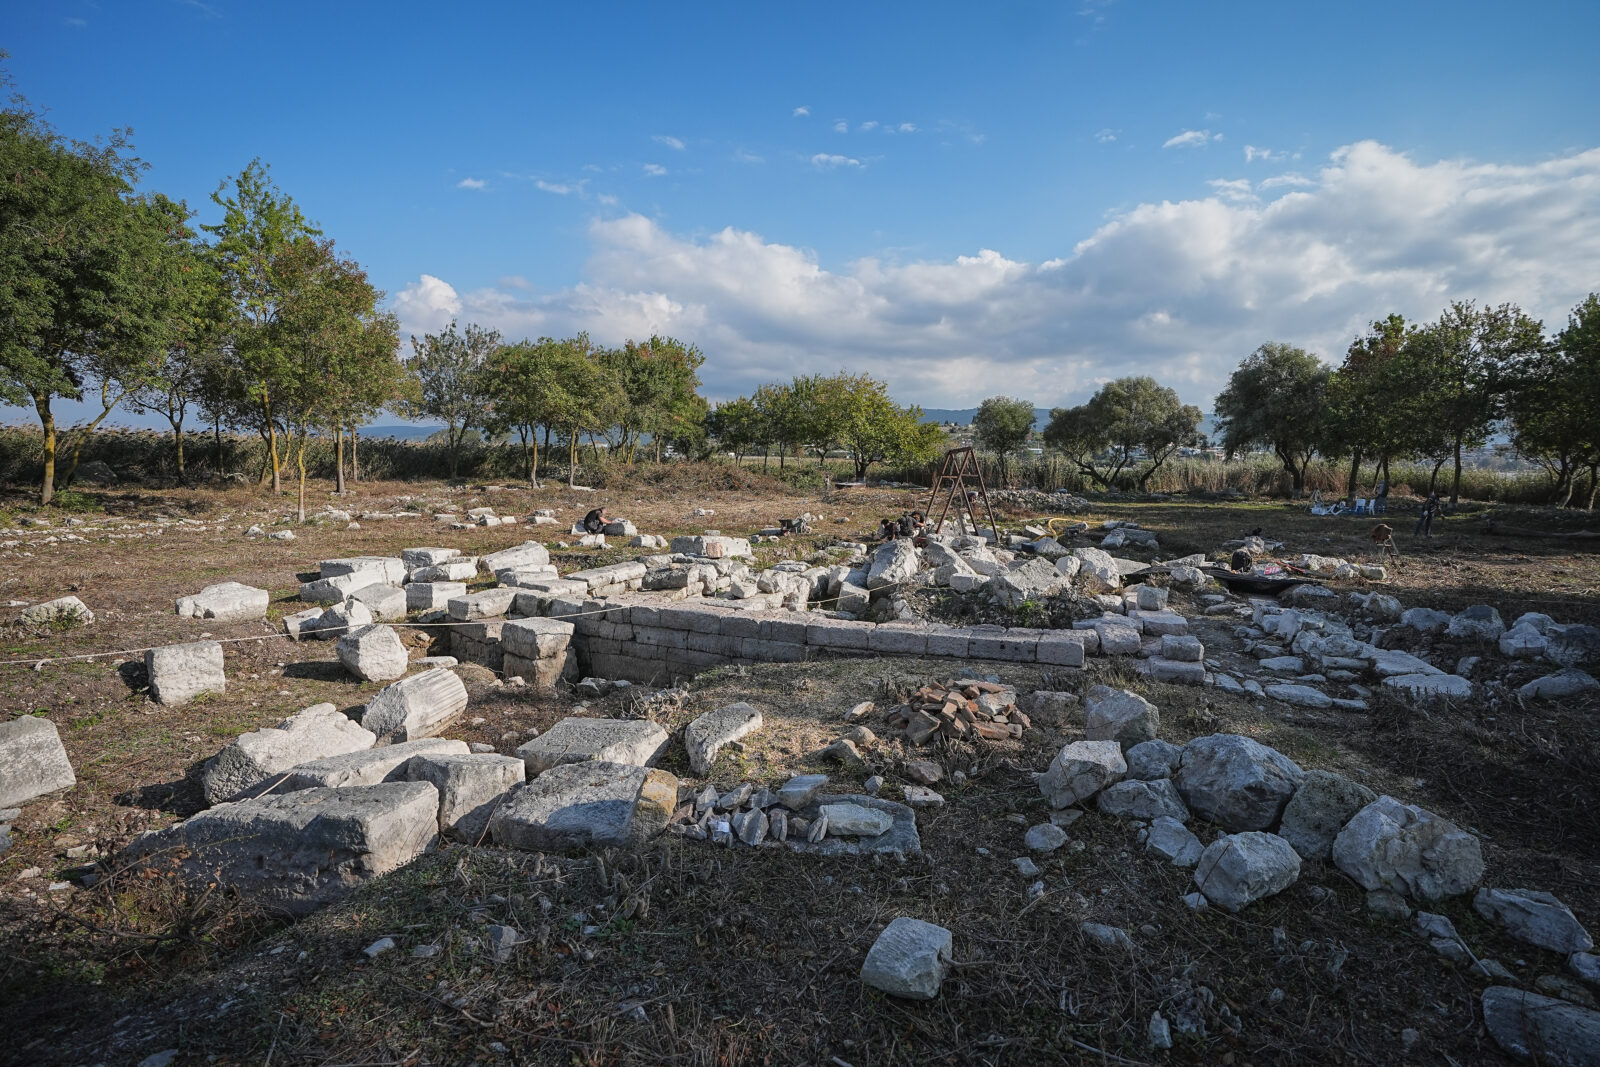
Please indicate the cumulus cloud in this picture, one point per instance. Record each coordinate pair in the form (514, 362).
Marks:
(1191, 139)
(841, 126)
(472, 183)
(801, 112)
(869, 126)
(1181, 290)
(1252, 153)
(1236, 190)
(655, 170)
(828, 161)
(907, 127)
(674, 143)
(559, 188)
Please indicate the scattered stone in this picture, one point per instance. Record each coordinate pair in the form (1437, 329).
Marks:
(1045, 837)
(33, 761)
(1118, 715)
(1541, 1029)
(1237, 869)
(750, 826)
(1391, 845)
(418, 706)
(585, 805)
(338, 619)
(1143, 800)
(1153, 759)
(706, 735)
(854, 820)
(315, 733)
(1026, 867)
(1480, 622)
(920, 796)
(1172, 841)
(909, 959)
(503, 941)
(844, 750)
(1112, 937)
(1387, 904)
(1564, 683)
(1536, 917)
(373, 653)
(179, 673)
(379, 947)
(470, 788)
(631, 742)
(225, 602)
(65, 612)
(1235, 782)
(1159, 1032)
(923, 772)
(1301, 696)
(1080, 770)
(1319, 809)
(799, 791)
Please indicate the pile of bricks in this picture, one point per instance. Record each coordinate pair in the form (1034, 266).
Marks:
(963, 708)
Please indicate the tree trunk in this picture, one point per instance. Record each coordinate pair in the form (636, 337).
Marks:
(355, 467)
(1433, 477)
(455, 448)
(47, 423)
(338, 460)
(301, 463)
(1455, 486)
(216, 431)
(177, 442)
(1594, 483)
(1350, 483)
(277, 473)
(572, 459)
(107, 403)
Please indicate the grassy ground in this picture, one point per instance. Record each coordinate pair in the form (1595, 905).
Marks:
(684, 953)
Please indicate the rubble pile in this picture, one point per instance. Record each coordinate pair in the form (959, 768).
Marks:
(961, 709)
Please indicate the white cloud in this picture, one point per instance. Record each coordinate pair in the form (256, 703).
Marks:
(472, 183)
(514, 281)
(1191, 139)
(841, 126)
(1252, 153)
(1106, 136)
(674, 143)
(559, 188)
(907, 127)
(801, 112)
(869, 126)
(1181, 290)
(1236, 191)
(1290, 180)
(655, 170)
(827, 161)
(743, 155)
(607, 199)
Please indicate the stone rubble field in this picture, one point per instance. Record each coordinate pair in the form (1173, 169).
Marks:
(672, 679)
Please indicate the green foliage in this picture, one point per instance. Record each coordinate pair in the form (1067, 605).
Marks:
(1003, 426)
(1277, 399)
(1127, 419)
(449, 381)
(1555, 406)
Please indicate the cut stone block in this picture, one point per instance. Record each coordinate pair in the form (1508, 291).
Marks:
(705, 736)
(297, 852)
(226, 602)
(583, 805)
(339, 619)
(336, 589)
(418, 706)
(470, 789)
(179, 673)
(485, 604)
(536, 638)
(629, 742)
(386, 763)
(426, 557)
(317, 732)
(433, 596)
(385, 602)
(373, 653)
(451, 570)
(390, 569)
(32, 760)
(527, 554)
(301, 626)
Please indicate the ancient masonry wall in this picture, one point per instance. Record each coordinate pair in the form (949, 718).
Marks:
(642, 639)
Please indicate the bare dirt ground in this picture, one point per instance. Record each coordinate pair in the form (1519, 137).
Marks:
(686, 953)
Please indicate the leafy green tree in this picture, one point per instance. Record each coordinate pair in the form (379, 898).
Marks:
(1373, 400)
(1003, 426)
(1554, 406)
(872, 428)
(81, 278)
(781, 420)
(1472, 354)
(1277, 399)
(527, 392)
(451, 382)
(591, 399)
(815, 412)
(259, 222)
(1125, 420)
(658, 380)
(737, 426)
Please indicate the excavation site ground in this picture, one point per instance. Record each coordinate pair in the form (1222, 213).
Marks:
(1072, 938)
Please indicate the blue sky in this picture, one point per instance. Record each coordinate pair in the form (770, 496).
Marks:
(963, 199)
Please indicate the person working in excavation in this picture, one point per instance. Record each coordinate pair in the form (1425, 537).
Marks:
(595, 521)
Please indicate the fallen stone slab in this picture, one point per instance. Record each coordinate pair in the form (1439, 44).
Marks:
(799, 791)
(64, 612)
(705, 736)
(179, 673)
(433, 596)
(484, 604)
(1431, 685)
(585, 805)
(1564, 683)
(386, 763)
(451, 570)
(373, 653)
(33, 761)
(470, 788)
(848, 819)
(1080, 770)
(297, 852)
(1540, 1029)
(256, 757)
(1238, 869)
(1236, 782)
(225, 602)
(1535, 917)
(426, 557)
(338, 620)
(527, 554)
(628, 742)
(909, 959)
(385, 602)
(391, 569)
(1175, 671)
(1319, 809)
(536, 638)
(1392, 845)
(336, 589)
(1301, 696)
(418, 706)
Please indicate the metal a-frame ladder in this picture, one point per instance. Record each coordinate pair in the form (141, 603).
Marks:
(959, 472)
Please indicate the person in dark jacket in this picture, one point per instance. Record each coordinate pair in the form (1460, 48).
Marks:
(1430, 508)
(595, 521)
